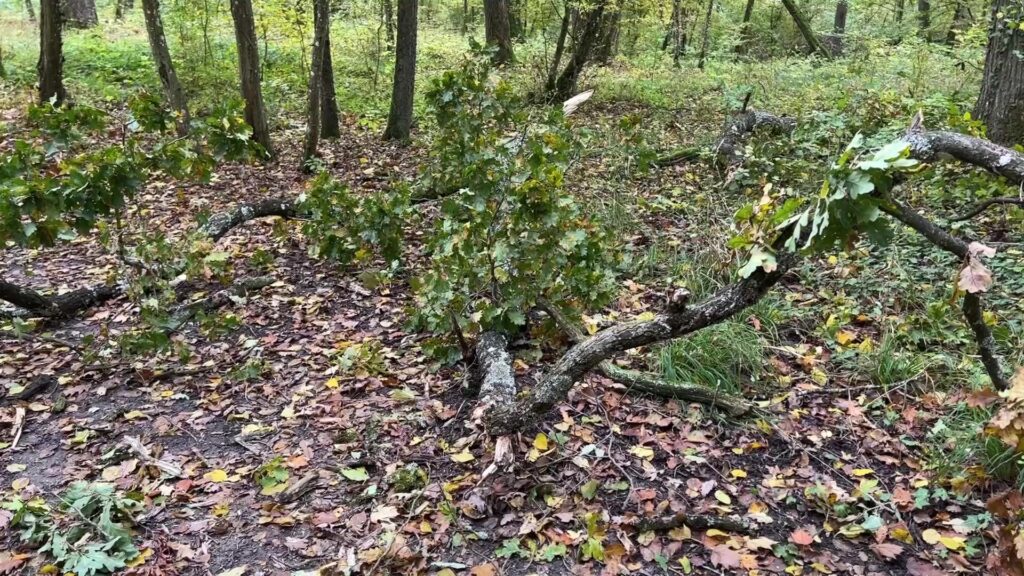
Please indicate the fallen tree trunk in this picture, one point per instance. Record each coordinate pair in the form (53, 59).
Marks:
(648, 383)
(728, 148)
(929, 146)
(495, 379)
(588, 354)
(218, 226)
(60, 306)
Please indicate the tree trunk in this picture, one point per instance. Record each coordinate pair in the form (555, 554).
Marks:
(249, 73)
(961, 21)
(556, 60)
(517, 18)
(465, 17)
(330, 122)
(704, 39)
(31, 11)
(748, 13)
(389, 23)
(80, 13)
(924, 18)
(805, 29)
(609, 40)
(164, 66)
(321, 23)
(51, 54)
(839, 22)
(1001, 102)
(400, 116)
(901, 6)
(497, 30)
(118, 10)
(566, 82)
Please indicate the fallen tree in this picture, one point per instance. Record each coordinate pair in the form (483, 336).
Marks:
(727, 149)
(505, 410)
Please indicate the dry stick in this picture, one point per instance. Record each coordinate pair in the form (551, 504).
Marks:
(636, 380)
(694, 522)
(727, 147)
(972, 305)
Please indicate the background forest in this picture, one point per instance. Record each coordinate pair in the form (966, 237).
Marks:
(512, 287)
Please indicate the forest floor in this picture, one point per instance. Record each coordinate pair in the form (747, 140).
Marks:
(399, 480)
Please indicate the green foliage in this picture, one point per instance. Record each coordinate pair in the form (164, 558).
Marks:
(351, 228)
(93, 534)
(509, 233)
(272, 476)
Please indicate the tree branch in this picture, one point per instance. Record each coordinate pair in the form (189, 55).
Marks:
(219, 225)
(933, 146)
(985, 205)
(728, 146)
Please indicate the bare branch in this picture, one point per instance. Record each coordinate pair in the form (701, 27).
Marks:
(985, 205)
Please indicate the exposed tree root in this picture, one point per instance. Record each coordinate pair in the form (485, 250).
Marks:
(694, 523)
(648, 383)
(728, 148)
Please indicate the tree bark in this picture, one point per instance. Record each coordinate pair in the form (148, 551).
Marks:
(389, 23)
(900, 9)
(585, 356)
(704, 37)
(400, 115)
(566, 82)
(609, 40)
(321, 24)
(497, 30)
(961, 21)
(805, 29)
(1001, 102)
(924, 18)
(556, 60)
(748, 13)
(80, 13)
(31, 11)
(249, 73)
(164, 66)
(51, 53)
(839, 21)
(330, 119)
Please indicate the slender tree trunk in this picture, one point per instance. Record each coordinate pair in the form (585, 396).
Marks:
(704, 39)
(805, 29)
(839, 22)
(330, 122)
(961, 21)
(80, 13)
(517, 18)
(249, 73)
(609, 40)
(400, 116)
(497, 30)
(389, 23)
(556, 60)
(901, 7)
(164, 66)
(51, 53)
(1001, 102)
(748, 13)
(465, 17)
(118, 10)
(321, 23)
(566, 82)
(924, 18)
(673, 24)
(31, 11)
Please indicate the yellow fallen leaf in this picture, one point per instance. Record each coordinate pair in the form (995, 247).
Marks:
(332, 383)
(221, 509)
(289, 412)
(722, 497)
(216, 476)
(140, 558)
(642, 452)
(463, 457)
(844, 337)
(931, 536)
(540, 442)
(863, 471)
(737, 473)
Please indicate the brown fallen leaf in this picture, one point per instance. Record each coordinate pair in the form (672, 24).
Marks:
(801, 537)
(887, 550)
(725, 557)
